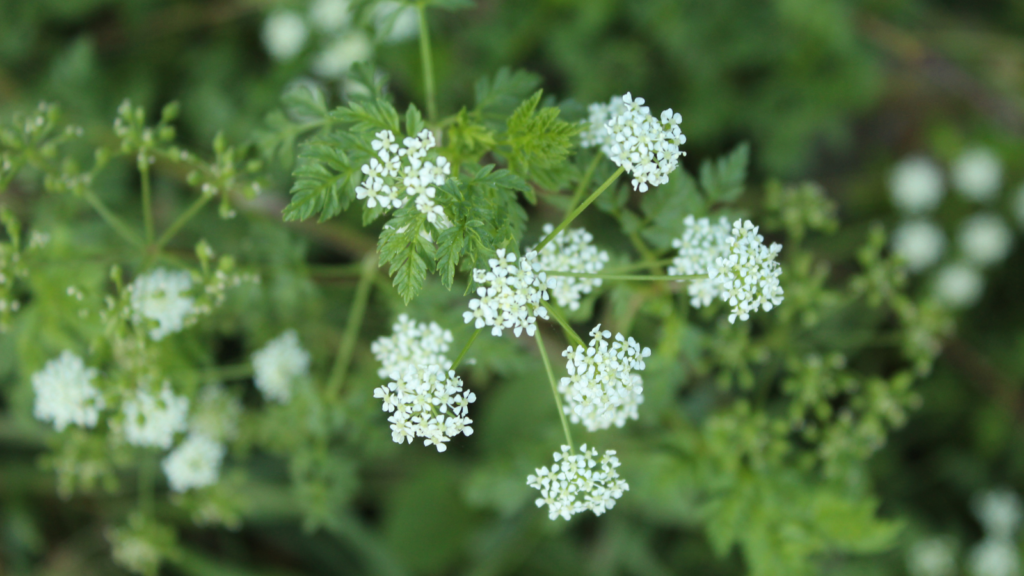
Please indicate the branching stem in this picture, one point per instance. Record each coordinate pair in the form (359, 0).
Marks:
(465, 348)
(110, 218)
(627, 277)
(579, 210)
(584, 182)
(183, 219)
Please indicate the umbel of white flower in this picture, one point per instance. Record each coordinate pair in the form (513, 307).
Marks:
(994, 557)
(154, 420)
(999, 513)
(65, 393)
(977, 174)
(932, 557)
(985, 238)
(602, 389)
(411, 344)
(740, 269)
(278, 364)
(510, 294)
(958, 285)
(426, 402)
(284, 34)
(647, 147)
(920, 242)
(701, 244)
(916, 185)
(575, 483)
(402, 173)
(571, 251)
(194, 463)
(161, 297)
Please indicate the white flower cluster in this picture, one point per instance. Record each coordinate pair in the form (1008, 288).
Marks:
(154, 420)
(958, 285)
(216, 413)
(65, 393)
(161, 297)
(575, 483)
(602, 389)
(411, 344)
(571, 251)
(647, 147)
(701, 244)
(999, 513)
(387, 176)
(194, 463)
(510, 295)
(994, 557)
(426, 402)
(985, 238)
(740, 269)
(748, 278)
(932, 557)
(278, 364)
(977, 174)
(916, 185)
(920, 242)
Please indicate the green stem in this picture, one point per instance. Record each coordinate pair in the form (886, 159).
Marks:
(627, 277)
(355, 322)
(110, 218)
(584, 182)
(466, 348)
(428, 63)
(572, 216)
(641, 265)
(147, 202)
(559, 317)
(554, 390)
(645, 254)
(183, 219)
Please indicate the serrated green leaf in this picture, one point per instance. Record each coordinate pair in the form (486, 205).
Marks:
(413, 120)
(537, 143)
(723, 179)
(325, 177)
(497, 97)
(369, 116)
(304, 102)
(403, 247)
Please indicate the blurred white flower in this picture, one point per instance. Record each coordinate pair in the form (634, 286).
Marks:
(194, 463)
(160, 296)
(64, 393)
(278, 364)
(575, 484)
(330, 15)
(998, 512)
(1018, 206)
(977, 174)
(154, 420)
(916, 185)
(336, 59)
(985, 238)
(395, 21)
(284, 34)
(571, 251)
(932, 557)
(958, 285)
(921, 243)
(994, 557)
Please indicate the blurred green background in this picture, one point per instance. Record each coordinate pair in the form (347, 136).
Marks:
(831, 90)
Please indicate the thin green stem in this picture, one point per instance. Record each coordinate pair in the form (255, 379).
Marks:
(645, 254)
(428, 64)
(147, 194)
(640, 266)
(110, 218)
(466, 348)
(559, 317)
(627, 277)
(554, 390)
(579, 210)
(355, 321)
(584, 182)
(183, 219)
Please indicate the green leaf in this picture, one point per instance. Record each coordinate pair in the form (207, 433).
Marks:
(304, 102)
(325, 177)
(407, 251)
(497, 97)
(666, 206)
(450, 4)
(538, 143)
(413, 120)
(369, 116)
(723, 179)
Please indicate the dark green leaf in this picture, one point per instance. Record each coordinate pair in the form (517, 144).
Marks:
(723, 179)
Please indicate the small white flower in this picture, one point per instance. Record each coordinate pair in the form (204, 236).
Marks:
(571, 251)
(1018, 206)
(958, 285)
(510, 295)
(411, 344)
(748, 277)
(575, 484)
(978, 174)
(284, 35)
(647, 147)
(985, 238)
(601, 389)
(994, 557)
(278, 364)
(998, 512)
(329, 15)
(65, 393)
(194, 463)
(404, 170)
(916, 185)
(154, 420)
(339, 56)
(921, 243)
(932, 557)
(426, 402)
(700, 246)
(161, 297)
